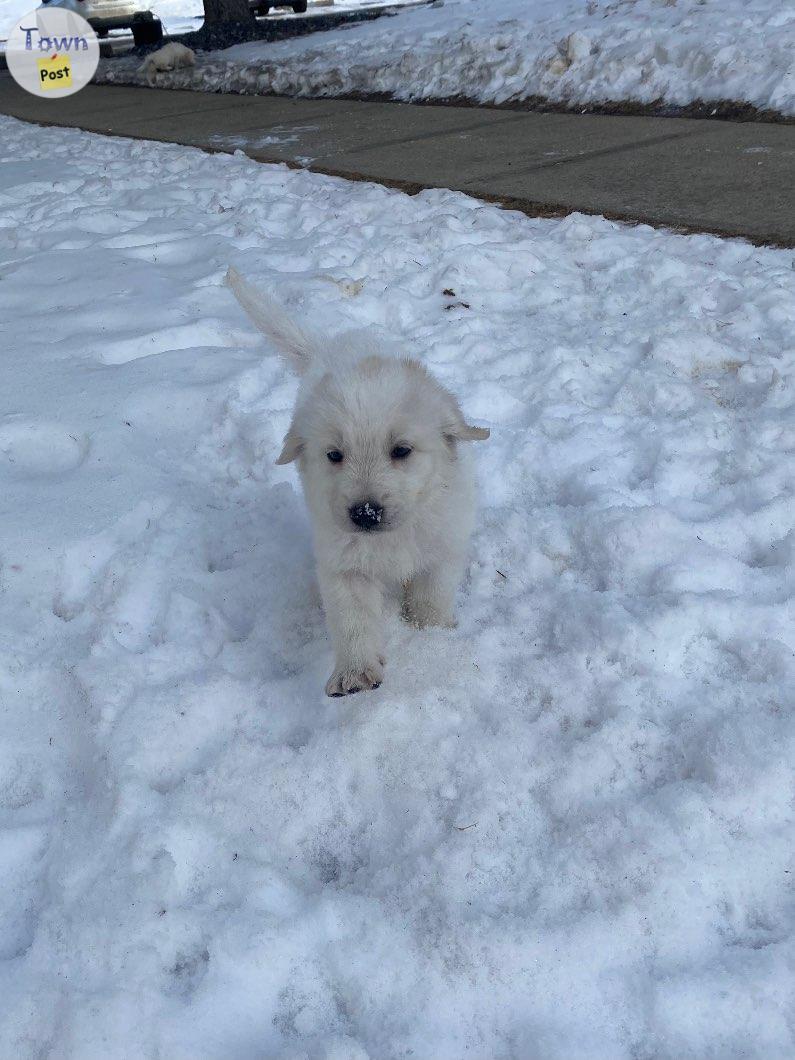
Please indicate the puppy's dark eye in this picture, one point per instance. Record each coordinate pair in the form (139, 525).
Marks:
(335, 456)
(400, 452)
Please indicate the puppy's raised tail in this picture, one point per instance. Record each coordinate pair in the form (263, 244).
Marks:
(300, 348)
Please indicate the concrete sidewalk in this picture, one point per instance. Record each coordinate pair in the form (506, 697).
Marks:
(715, 176)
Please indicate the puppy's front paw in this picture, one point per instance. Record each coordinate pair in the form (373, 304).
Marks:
(347, 680)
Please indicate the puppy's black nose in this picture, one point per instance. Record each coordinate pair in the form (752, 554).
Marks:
(367, 515)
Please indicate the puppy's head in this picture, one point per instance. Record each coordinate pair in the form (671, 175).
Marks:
(375, 442)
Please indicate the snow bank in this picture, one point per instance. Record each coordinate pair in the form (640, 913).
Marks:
(648, 51)
(563, 829)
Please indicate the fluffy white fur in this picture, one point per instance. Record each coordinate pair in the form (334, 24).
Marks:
(359, 401)
(170, 57)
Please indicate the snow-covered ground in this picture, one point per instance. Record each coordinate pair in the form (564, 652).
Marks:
(566, 51)
(563, 829)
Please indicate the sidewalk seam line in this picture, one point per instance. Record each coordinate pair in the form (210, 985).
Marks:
(586, 156)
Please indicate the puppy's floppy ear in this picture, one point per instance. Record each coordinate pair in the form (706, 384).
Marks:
(473, 434)
(456, 428)
(293, 446)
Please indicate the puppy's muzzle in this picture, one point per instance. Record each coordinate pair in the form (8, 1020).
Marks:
(367, 515)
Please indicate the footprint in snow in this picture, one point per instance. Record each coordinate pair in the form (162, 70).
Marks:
(40, 448)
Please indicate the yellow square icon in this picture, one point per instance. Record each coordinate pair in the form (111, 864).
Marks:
(55, 72)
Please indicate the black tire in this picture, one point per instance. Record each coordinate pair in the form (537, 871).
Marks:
(299, 7)
(147, 31)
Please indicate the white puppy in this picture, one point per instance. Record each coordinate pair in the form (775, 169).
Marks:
(171, 56)
(390, 491)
